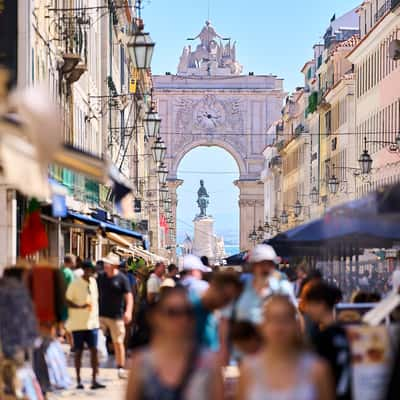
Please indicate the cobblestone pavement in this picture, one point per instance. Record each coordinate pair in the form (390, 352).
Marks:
(115, 389)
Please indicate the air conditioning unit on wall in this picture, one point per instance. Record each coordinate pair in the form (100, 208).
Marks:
(394, 49)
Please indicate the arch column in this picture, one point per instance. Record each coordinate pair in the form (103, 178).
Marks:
(251, 208)
(173, 185)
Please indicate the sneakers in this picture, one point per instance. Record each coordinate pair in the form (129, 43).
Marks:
(97, 385)
(122, 374)
(79, 386)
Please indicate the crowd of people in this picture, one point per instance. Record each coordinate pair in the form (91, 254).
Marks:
(176, 329)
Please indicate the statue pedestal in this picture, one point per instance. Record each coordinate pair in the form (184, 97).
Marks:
(203, 242)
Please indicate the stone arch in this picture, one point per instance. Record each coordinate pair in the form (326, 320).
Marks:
(177, 158)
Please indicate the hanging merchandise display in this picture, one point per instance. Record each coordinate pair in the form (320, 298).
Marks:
(26, 322)
(33, 236)
(48, 294)
(18, 327)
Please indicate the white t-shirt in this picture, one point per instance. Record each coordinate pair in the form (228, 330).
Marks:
(154, 284)
(82, 292)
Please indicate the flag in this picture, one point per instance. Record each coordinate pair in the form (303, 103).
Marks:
(33, 235)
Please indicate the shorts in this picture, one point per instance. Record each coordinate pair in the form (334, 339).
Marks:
(116, 328)
(88, 336)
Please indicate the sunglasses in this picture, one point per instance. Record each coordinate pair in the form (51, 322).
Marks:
(174, 312)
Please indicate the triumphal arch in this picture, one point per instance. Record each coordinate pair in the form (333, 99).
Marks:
(211, 102)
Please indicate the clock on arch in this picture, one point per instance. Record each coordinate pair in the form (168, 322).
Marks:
(209, 114)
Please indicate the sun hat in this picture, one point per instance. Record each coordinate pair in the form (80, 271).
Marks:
(192, 262)
(112, 259)
(263, 252)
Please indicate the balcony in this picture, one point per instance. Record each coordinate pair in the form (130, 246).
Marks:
(71, 31)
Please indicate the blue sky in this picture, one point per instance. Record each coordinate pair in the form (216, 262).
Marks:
(272, 37)
(218, 172)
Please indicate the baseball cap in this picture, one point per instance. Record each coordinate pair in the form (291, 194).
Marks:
(87, 264)
(112, 259)
(191, 262)
(263, 252)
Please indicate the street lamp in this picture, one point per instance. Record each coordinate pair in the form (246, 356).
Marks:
(333, 184)
(297, 208)
(152, 123)
(267, 227)
(167, 204)
(284, 217)
(253, 236)
(365, 162)
(275, 221)
(159, 150)
(314, 195)
(260, 232)
(141, 48)
(163, 192)
(162, 173)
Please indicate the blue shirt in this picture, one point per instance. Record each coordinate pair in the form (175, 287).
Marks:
(206, 324)
(249, 306)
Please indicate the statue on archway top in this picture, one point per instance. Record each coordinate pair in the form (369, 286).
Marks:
(202, 199)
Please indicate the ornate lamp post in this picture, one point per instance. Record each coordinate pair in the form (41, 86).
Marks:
(297, 208)
(159, 149)
(253, 237)
(163, 192)
(152, 124)
(314, 195)
(333, 184)
(140, 48)
(162, 173)
(284, 217)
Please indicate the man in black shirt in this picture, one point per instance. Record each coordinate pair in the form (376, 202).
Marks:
(331, 342)
(115, 306)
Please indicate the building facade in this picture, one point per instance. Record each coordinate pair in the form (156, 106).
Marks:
(209, 102)
(377, 74)
(79, 50)
(314, 139)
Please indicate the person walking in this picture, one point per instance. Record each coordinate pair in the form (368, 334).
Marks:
(283, 369)
(67, 270)
(194, 270)
(331, 342)
(116, 306)
(83, 321)
(174, 367)
(154, 283)
(263, 282)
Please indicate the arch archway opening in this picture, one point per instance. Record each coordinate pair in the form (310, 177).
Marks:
(218, 169)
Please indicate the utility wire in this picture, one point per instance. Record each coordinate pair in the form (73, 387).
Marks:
(278, 136)
(210, 172)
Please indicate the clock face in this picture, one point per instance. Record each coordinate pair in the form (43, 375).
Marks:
(210, 116)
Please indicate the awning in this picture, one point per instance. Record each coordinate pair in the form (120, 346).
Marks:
(107, 226)
(119, 240)
(82, 162)
(148, 256)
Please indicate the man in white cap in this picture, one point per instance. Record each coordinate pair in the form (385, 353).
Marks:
(116, 304)
(263, 282)
(194, 270)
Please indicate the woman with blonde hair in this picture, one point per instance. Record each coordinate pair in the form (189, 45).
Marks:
(284, 369)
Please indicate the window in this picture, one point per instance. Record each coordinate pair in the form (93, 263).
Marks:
(328, 123)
